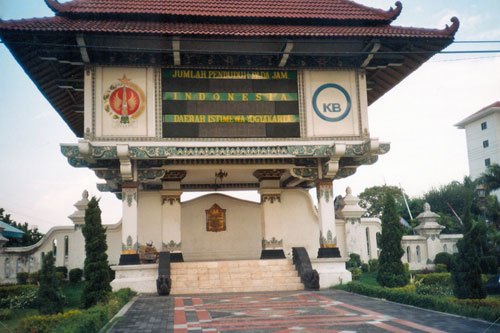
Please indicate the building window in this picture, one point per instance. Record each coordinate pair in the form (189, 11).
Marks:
(418, 253)
(31, 264)
(486, 144)
(66, 246)
(54, 247)
(368, 242)
(445, 248)
(18, 266)
(487, 162)
(484, 126)
(408, 254)
(7, 268)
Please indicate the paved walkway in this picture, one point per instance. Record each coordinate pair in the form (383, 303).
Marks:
(325, 311)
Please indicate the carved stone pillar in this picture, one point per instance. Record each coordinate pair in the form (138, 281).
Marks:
(171, 214)
(326, 211)
(272, 229)
(129, 254)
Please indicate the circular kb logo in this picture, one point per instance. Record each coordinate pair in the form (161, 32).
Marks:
(331, 102)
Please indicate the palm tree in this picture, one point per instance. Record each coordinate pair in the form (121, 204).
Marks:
(491, 177)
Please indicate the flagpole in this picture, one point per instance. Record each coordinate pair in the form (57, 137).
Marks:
(406, 202)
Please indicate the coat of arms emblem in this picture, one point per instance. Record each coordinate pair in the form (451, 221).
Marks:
(124, 100)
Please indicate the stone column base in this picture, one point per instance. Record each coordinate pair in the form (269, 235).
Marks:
(176, 257)
(272, 254)
(129, 259)
(140, 278)
(328, 252)
(331, 271)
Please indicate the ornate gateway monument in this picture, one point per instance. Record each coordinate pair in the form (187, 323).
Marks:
(175, 96)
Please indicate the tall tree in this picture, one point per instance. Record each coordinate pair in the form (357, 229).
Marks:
(50, 297)
(466, 272)
(491, 177)
(391, 271)
(96, 269)
(372, 199)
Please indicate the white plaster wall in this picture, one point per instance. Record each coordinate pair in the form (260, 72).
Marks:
(357, 240)
(475, 137)
(150, 218)
(300, 222)
(241, 240)
(76, 253)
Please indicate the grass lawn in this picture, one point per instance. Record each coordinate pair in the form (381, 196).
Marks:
(72, 292)
(369, 279)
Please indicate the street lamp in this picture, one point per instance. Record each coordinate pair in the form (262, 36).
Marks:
(481, 192)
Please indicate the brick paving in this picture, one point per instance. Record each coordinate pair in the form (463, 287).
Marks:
(292, 311)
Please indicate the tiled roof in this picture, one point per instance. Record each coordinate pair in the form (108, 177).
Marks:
(478, 114)
(301, 9)
(114, 26)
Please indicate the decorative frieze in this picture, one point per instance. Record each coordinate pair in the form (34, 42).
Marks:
(270, 198)
(130, 195)
(174, 175)
(108, 174)
(130, 247)
(171, 246)
(324, 190)
(273, 243)
(171, 199)
(268, 174)
(150, 174)
(305, 173)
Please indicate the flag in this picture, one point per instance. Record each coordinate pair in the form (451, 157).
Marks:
(404, 223)
(456, 215)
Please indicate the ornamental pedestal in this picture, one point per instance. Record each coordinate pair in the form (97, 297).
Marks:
(129, 255)
(326, 211)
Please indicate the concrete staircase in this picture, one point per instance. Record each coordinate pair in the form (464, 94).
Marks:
(234, 276)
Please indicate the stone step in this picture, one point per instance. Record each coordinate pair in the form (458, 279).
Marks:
(234, 276)
(213, 290)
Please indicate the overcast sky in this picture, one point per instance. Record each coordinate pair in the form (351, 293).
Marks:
(38, 186)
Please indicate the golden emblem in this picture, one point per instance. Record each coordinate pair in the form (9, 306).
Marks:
(216, 218)
(124, 100)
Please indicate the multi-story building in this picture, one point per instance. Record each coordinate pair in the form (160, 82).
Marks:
(482, 131)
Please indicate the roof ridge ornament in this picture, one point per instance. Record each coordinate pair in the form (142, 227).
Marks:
(452, 29)
(54, 5)
(393, 13)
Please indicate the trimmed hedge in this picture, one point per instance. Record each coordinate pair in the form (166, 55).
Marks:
(434, 278)
(86, 321)
(22, 278)
(41, 324)
(64, 270)
(15, 290)
(373, 263)
(480, 309)
(75, 275)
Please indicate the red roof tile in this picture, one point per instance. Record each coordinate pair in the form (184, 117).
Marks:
(114, 26)
(300, 9)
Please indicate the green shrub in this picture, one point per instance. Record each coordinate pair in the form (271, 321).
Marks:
(33, 278)
(478, 310)
(406, 267)
(14, 290)
(50, 296)
(444, 258)
(41, 324)
(488, 265)
(365, 268)
(60, 277)
(355, 272)
(93, 319)
(434, 278)
(5, 314)
(22, 278)
(75, 275)
(64, 270)
(354, 261)
(27, 299)
(441, 268)
(434, 290)
(373, 263)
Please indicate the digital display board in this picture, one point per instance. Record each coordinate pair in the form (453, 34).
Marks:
(229, 104)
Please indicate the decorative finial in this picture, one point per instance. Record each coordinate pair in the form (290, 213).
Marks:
(452, 29)
(124, 80)
(427, 207)
(85, 194)
(348, 190)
